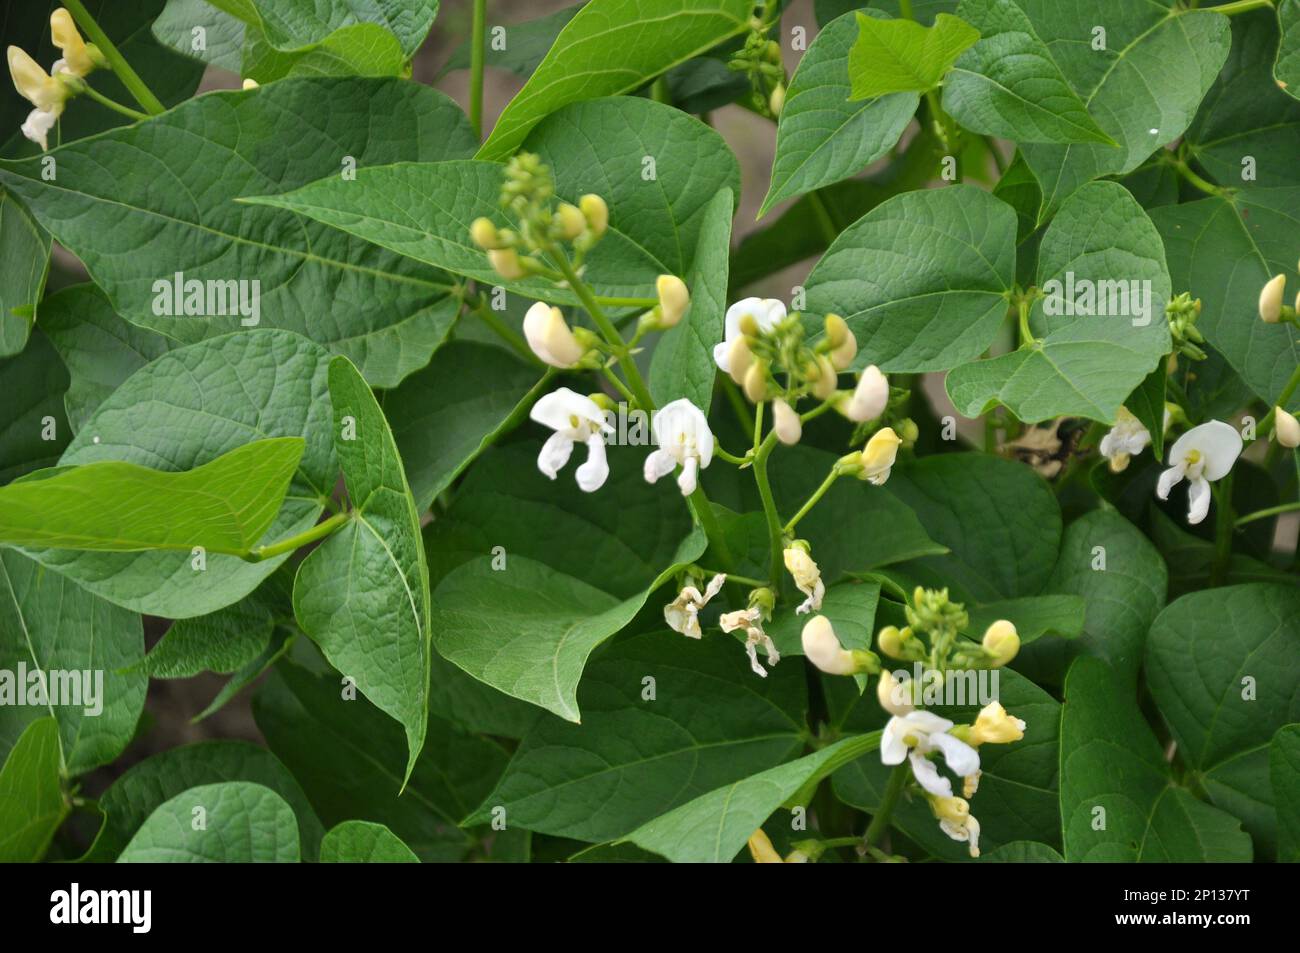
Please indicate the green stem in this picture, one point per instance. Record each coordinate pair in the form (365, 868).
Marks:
(618, 384)
(732, 577)
(625, 302)
(947, 128)
(769, 508)
(816, 412)
(1223, 526)
(823, 215)
(130, 79)
(1287, 392)
(1243, 6)
(718, 451)
(737, 402)
(880, 820)
(704, 515)
(319, 531)
(1022, 315)
(1271, 511)
(812, 500)
(1181, 166)
(506, 333)
(477, 52)
(112, 104)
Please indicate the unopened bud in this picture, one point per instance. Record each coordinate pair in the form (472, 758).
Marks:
(484, 234)
(673, 299)
(596, 212)
(572, 222)
(892, 695)
(844, 346)
(869, 398)
(761, 849)
(755, 384)
(739, 359)
(786, 422)
(1270, 299)
(822, 647)
(549, 336)
(1287, 428)
(1002, 641)
(822, 377)
(748, 325)
(776, 102)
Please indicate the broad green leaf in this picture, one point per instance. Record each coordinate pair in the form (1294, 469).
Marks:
(612, 47)
(923, 11)
(715, 826)
(922, 279)
(386, 313)
(1222, 666)
(1114, 771)
(223, 34)
(223, 506)
(526, 44)
(851, 608)
(445, 415)
(822, 136)
(186, 409)
(363, 594)
(24, 261)
(31, 799)
(707, 82)
(1022, 852)
(244, 823)
(634, 758)
(364, 842)
(1143, 88)
(293, 24)
(900, 56)
(1008, 85)
(1284, 770)
(1247, 131)
(361, 49)
(86, 647)
(998, 518)
(134, 796)
(1034, 617)
(1223, 251)
(36, 427)
(1147, 404)
(280, 643)
(99, 349)
(347, 755)
(1102, 258)
(1287, 67)
(682, 364)
(464, 701)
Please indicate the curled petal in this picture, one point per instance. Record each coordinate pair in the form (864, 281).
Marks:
(593, 474)
(659, 463)
(925, 772)
(1168, 480)
(555, 454)
(1198, 500)
(687, 479)
(961, 757)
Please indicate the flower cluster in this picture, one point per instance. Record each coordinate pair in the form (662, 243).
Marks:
(49, 92)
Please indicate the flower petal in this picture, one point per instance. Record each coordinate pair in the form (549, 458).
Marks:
(1198, 500)
(555, 453)
(659, 463)
(1220, 444)
(593, 474)
(925, 772)
(961, 757)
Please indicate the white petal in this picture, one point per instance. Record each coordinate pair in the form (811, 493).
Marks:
(555, 453)
(926, 721)
(658, 464)
(751, 649)
(1169, 479)
(593, 474)
(558, 408)
(722, 356)
(686, 480)
(1220, 444)
(928, 775)
(715, 586)
(892, 747)
(961, 757)
(1198, 500)
(38, 125)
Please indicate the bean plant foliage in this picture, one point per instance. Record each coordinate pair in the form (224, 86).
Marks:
(548, 489)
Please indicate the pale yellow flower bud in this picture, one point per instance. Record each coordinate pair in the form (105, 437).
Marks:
(739, 358)
(550, 337)
(1003, 641)
(822, 647)
(761, 849)
(484, 234)
(1270, 299)
(596, 212)
(748, 325)
(891, 694)
(755, 384)
(869, 398)
(822, 377)
(776, 102)
(505, 261)
(994, 726)
(78, 58)
(572, 222)
(786, 422)
(249, 84)
(673, 299)
(844, 346)
(952, 809)
(1287, 428)
(879, 455)
(890, 641)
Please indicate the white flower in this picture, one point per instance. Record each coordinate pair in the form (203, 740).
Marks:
(869, 397)
(549, 336)
(1202, 455)
(879, 455)
(786, 422)
(684, 439)
(807, 577)
(768, 312)
(682, 614)
(956, 820)
(751, 620)
(919, 733)
(1126, 439)
(1270, 299)
(575, 419)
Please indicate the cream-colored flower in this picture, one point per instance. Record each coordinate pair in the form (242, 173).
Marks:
(786, 422)
(1286, 427)
(751, 622)
(879, 455)
(956, 820)
(822, 647)
(994, 726)
(674, 299)
(761, 849)
(78, 58)
(807, 577)
(682, 614)
(869, 398)
(1124, 440)
(895, 696)
(549, 336)
(844, 346)
(1002, 640)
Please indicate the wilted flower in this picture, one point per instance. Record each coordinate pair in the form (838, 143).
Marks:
(682, 614)
(1126, 439)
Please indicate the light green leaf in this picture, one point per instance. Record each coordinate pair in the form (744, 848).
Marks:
(223, 34)
(1287, 67)
(134, 796)
(1143, 88)
(292, 24)
(38, 380)
(245, 823)
(1008, 85)
(900, 56)
(361, 49)
(823, 137)
(1284, 770)
(612, 47)
(682, 364)
(1222, 666)
(632, 759)
(1103, 256)
(1223, 251)
(364, 842)
(922, 279)
(85, 646)
(527, 44)
(386, 313)
(445, 415)
(99, 349)
(1033, 617)
(714, 827)
(923, 11)
(24, 260)
(31, 800)
(363, 594)
(184, 410)
(1111, 761)
(223, 506)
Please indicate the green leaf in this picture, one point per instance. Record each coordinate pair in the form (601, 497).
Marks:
(1223, 251)
(99, 348)
(386, 313)
(292, 25)
(85, 646)
(1284, 770)
(1118, 800)
(923, 11)
(243, 823)
(715, 826)
(445, 415)
(1008, 85)
(900, 56)
(24, 261)
(612, 47)
(1222, 666)
(1060, 616)
(361, 49)
(363, 842)
(1245, 116)
(922, 279)
(1022, 852)
(363, 594)
(31, 800)
(526, 44)
(36, 427)
(633, 757)
(184, 410)
(134, 796)
(851, 609)
(346, 753)
(1287, 67)
(223, 506)
(277, 647)
(1142, 89)
(823, 137)
(1103, 256)
(1147, 404)
(682, 364)
(223, 34)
